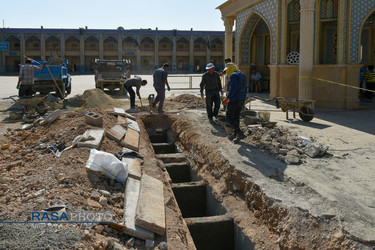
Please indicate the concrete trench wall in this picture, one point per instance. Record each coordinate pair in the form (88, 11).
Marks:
(205, 161)
(210, 225)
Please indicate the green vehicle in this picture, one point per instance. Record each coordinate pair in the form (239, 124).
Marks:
(111, 74)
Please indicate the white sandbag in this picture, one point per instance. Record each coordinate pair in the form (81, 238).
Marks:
(108, 164)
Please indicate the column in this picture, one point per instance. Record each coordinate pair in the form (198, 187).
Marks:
(101, 46)
(22, 48)
(119, 45)
(42, 45)
(138, 53)
(306, 59)
(284, 31)
(156, 51)
(82, 53)
(208, 58)
(228, 23)
(174, 66)
(340, 33)
(62, 46)
(191, 53)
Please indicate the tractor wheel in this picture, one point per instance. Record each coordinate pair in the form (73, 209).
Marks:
(306, 114)
(69, 89)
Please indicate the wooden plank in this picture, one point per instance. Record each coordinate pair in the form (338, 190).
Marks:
(150, 213)
(131, 140)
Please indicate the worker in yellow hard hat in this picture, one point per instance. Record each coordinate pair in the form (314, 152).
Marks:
(235, 100)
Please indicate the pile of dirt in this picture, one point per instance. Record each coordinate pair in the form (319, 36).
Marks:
(33, 179)
(98, 98)
(190, 101)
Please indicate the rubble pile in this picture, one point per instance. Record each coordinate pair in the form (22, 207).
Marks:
(190, 101)
(33, 178)
(288, 147)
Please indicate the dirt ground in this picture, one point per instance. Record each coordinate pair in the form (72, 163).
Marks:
(321, 202)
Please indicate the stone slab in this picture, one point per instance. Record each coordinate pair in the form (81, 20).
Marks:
(121, 120)
(133, 124)
(134, 167)
(121, 112)
(116, 133)
(131, 139)
(150, 213)
(132, 190)
(98, 135)
(172, 158)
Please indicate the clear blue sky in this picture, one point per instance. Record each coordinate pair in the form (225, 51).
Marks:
(110, 14)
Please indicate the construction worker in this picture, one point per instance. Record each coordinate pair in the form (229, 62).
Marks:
(26, 78)
(160, 80)
(212, 84)
(137, 82)
(235, 100)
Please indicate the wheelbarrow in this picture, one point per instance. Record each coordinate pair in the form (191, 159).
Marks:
(305, 112)
(32, 105)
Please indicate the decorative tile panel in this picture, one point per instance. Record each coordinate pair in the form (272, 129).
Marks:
(360, 9)
(246, 22)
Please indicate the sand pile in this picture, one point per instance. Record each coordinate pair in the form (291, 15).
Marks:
(97, 98)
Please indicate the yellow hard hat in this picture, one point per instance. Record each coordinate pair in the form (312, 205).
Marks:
(230, 68)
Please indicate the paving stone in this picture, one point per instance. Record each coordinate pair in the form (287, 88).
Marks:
(121, 112)
(121, 120)
(150, 213)
(131, 139)
(97, 134)
(132, 124)
(116, 133)
(134, 167)
(130, 206)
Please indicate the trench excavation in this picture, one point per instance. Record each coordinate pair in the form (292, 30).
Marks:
(209, 223)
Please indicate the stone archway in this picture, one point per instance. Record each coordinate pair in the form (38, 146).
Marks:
(367, 45)
(360, 13)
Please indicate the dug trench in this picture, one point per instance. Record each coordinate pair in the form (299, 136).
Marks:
(223, 207)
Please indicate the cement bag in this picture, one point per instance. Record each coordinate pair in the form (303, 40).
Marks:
(108, 164)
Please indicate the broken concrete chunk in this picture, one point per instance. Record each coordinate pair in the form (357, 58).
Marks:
(315, 149)
(97, 134)
(150, 210)
(312, 150)
(52, 117)
(116, 133)
(292, 157)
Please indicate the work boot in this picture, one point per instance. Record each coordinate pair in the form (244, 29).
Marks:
(239, 137)
(232, 136)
